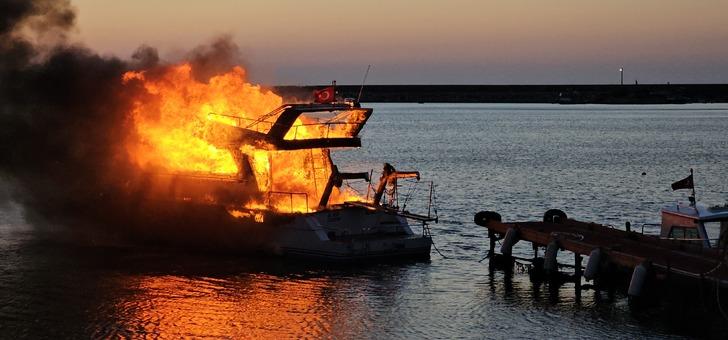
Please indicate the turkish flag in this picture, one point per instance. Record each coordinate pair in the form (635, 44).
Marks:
(324, 96)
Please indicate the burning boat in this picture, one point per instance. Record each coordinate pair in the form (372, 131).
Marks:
(229, 178)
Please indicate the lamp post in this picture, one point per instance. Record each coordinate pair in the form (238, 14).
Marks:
(621, 76)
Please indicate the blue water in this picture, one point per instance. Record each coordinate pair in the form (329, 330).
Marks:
(519, 160)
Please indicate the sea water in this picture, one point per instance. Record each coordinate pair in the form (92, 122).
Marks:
(603, 163)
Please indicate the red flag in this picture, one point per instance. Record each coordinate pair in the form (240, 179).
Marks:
(324, 96)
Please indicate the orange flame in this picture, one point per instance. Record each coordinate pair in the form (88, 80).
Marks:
(175, 112)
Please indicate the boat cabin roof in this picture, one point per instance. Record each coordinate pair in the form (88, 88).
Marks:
(271, 131)
(699, 212)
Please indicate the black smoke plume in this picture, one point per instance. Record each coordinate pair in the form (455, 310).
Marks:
(60, 113)
(63, 122)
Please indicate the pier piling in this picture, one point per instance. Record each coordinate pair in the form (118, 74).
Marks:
(613, 253)
(577, 275)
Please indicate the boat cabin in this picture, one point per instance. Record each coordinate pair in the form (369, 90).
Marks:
(695, 223)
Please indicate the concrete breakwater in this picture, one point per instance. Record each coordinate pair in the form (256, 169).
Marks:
(563, 94)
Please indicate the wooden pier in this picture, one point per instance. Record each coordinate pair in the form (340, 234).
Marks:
(659, 258)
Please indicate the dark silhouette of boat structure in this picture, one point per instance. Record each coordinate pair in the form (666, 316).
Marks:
(215, 211)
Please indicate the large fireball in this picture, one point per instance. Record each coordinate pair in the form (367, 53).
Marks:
(173, 112)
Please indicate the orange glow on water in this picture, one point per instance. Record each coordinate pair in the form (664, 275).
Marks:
(258, 307)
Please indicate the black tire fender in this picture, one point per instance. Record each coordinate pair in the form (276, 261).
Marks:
(483, 217)
(554, 216)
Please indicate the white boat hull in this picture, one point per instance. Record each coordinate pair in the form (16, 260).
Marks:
(338, 233)
(351, 234)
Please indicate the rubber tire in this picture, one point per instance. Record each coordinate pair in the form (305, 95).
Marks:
(482, 218)
(554, 216)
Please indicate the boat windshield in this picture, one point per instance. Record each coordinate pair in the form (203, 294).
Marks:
(713, 231)
(323, 124)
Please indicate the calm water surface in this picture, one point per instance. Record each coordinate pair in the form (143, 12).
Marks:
(519, 160)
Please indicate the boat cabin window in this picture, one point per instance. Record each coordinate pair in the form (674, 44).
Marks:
(325, 124)
(679, 232)
(718, 233)
(713, 231)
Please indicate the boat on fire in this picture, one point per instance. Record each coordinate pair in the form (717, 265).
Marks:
(245, 212)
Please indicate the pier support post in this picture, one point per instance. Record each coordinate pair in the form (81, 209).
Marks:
(577, 275)
(551, 264)
(536, 272)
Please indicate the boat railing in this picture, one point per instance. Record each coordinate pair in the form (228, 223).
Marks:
(431, 205)
(648, 225)
(696, 239)
(258, 125)
(682, 240)
(330, 129)
(327, 128)
(290, 196)
(200, 175)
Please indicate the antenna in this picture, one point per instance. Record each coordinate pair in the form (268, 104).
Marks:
(358, 98)
(333, 84)
(692, 179)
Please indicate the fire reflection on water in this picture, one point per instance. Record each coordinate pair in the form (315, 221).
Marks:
(256, 306)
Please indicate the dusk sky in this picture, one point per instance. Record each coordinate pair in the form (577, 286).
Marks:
(432, 42)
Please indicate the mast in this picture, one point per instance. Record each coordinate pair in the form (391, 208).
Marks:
(693, 198)
(333, 84)
(361, 89)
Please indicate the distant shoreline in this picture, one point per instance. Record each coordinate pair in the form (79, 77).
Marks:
(561, 94)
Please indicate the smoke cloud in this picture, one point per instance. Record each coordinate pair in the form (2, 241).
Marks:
(59, 112)
(63, 119)
(216, 58)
